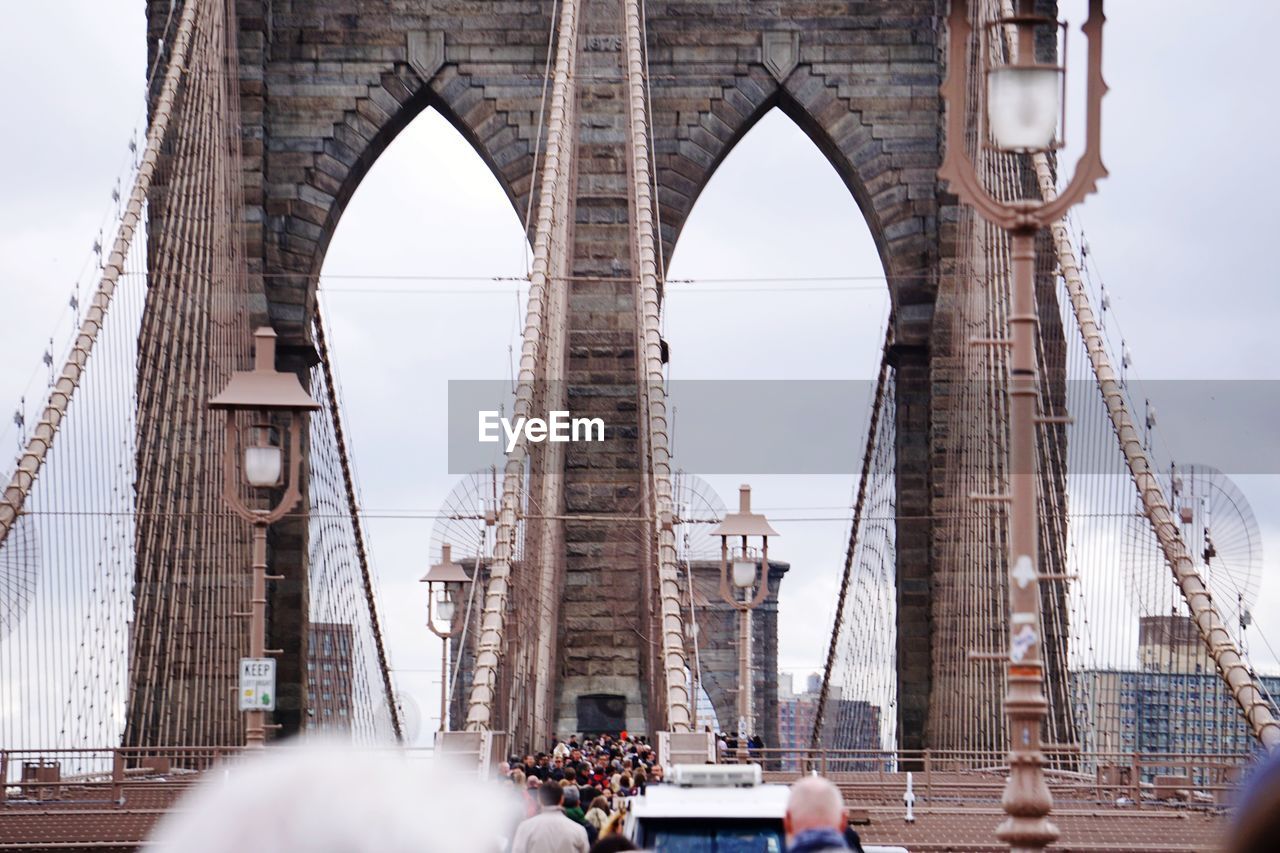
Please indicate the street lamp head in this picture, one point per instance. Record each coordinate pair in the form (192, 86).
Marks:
(277, 402)
(263, 461)
(1021, 108)
(1024, 103)
(744, 574)
(444, 581)
(744, 522)
(264, 389)
(738, 561)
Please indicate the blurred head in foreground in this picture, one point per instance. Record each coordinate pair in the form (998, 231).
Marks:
(815, 807)
(1256, 825)
(325, 798)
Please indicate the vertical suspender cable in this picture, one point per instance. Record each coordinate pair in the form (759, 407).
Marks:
(37, 448)
(1231, 664)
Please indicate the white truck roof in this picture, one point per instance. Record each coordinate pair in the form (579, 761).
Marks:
(671, 801)
(715, 792)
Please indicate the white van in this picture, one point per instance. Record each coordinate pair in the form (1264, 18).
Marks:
(713, 808)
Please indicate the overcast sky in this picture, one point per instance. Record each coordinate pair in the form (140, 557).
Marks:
(1182, 230)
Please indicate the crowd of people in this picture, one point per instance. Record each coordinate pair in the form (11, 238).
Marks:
(325, 797)
(727, 746)
(586, 781)
(573, 797)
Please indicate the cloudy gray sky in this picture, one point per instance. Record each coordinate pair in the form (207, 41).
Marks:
(1182, 231)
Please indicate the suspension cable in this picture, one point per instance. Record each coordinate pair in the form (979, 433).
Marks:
(864, 478)
(556, 168)
(677, 700)
(38, 445)
(357, 523)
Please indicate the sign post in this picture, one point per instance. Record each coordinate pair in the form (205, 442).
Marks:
(257, 684)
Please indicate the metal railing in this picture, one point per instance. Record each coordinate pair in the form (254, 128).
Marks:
(108, 776)
(940, 778)
(951, 777)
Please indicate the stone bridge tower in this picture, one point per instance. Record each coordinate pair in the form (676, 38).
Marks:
(325, 85)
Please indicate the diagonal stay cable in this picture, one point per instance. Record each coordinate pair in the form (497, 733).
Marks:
(357, 525)
(38, 445)
(863, 479)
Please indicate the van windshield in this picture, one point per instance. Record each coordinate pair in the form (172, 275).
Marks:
(713, 836)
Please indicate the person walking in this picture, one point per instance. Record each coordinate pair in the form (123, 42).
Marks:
(573, 811)
(549, 831)
(815, 819)
(597, 813)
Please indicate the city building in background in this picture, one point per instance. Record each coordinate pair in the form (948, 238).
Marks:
(1174, 702)
(849, 724)
(329, 662)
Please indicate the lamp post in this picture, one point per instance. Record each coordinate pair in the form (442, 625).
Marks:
(738, 561)
(444, 581)
(1024, 107)
(277, 402)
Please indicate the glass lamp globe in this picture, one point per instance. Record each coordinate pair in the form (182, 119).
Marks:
(744, 574)
(445, 608)
(262, 465)
(1023, 106)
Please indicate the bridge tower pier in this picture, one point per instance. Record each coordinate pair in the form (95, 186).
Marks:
(325, 86)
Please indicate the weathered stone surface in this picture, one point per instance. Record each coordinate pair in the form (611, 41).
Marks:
(781, 53)
(718, 638)
(327, 84)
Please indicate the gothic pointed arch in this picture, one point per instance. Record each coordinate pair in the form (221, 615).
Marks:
(887, 160)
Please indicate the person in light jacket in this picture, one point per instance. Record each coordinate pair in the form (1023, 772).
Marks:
(598, 813)
(549, 831)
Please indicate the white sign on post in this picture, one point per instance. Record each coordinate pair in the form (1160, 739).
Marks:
(257, 684)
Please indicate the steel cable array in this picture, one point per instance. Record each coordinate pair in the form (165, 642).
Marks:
(121, 569)
(343, 608)
(1135, 663)
(857, 701)
(547, 293)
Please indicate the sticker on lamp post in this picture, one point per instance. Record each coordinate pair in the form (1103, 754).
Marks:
(257, 684)
(1023, 639)
(1023, 572)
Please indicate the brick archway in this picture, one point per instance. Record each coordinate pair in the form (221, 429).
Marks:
(880, 177)
(299, 223)
(325, 85)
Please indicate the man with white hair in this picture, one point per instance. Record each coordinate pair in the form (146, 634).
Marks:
(815, 818)
(326, 797)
